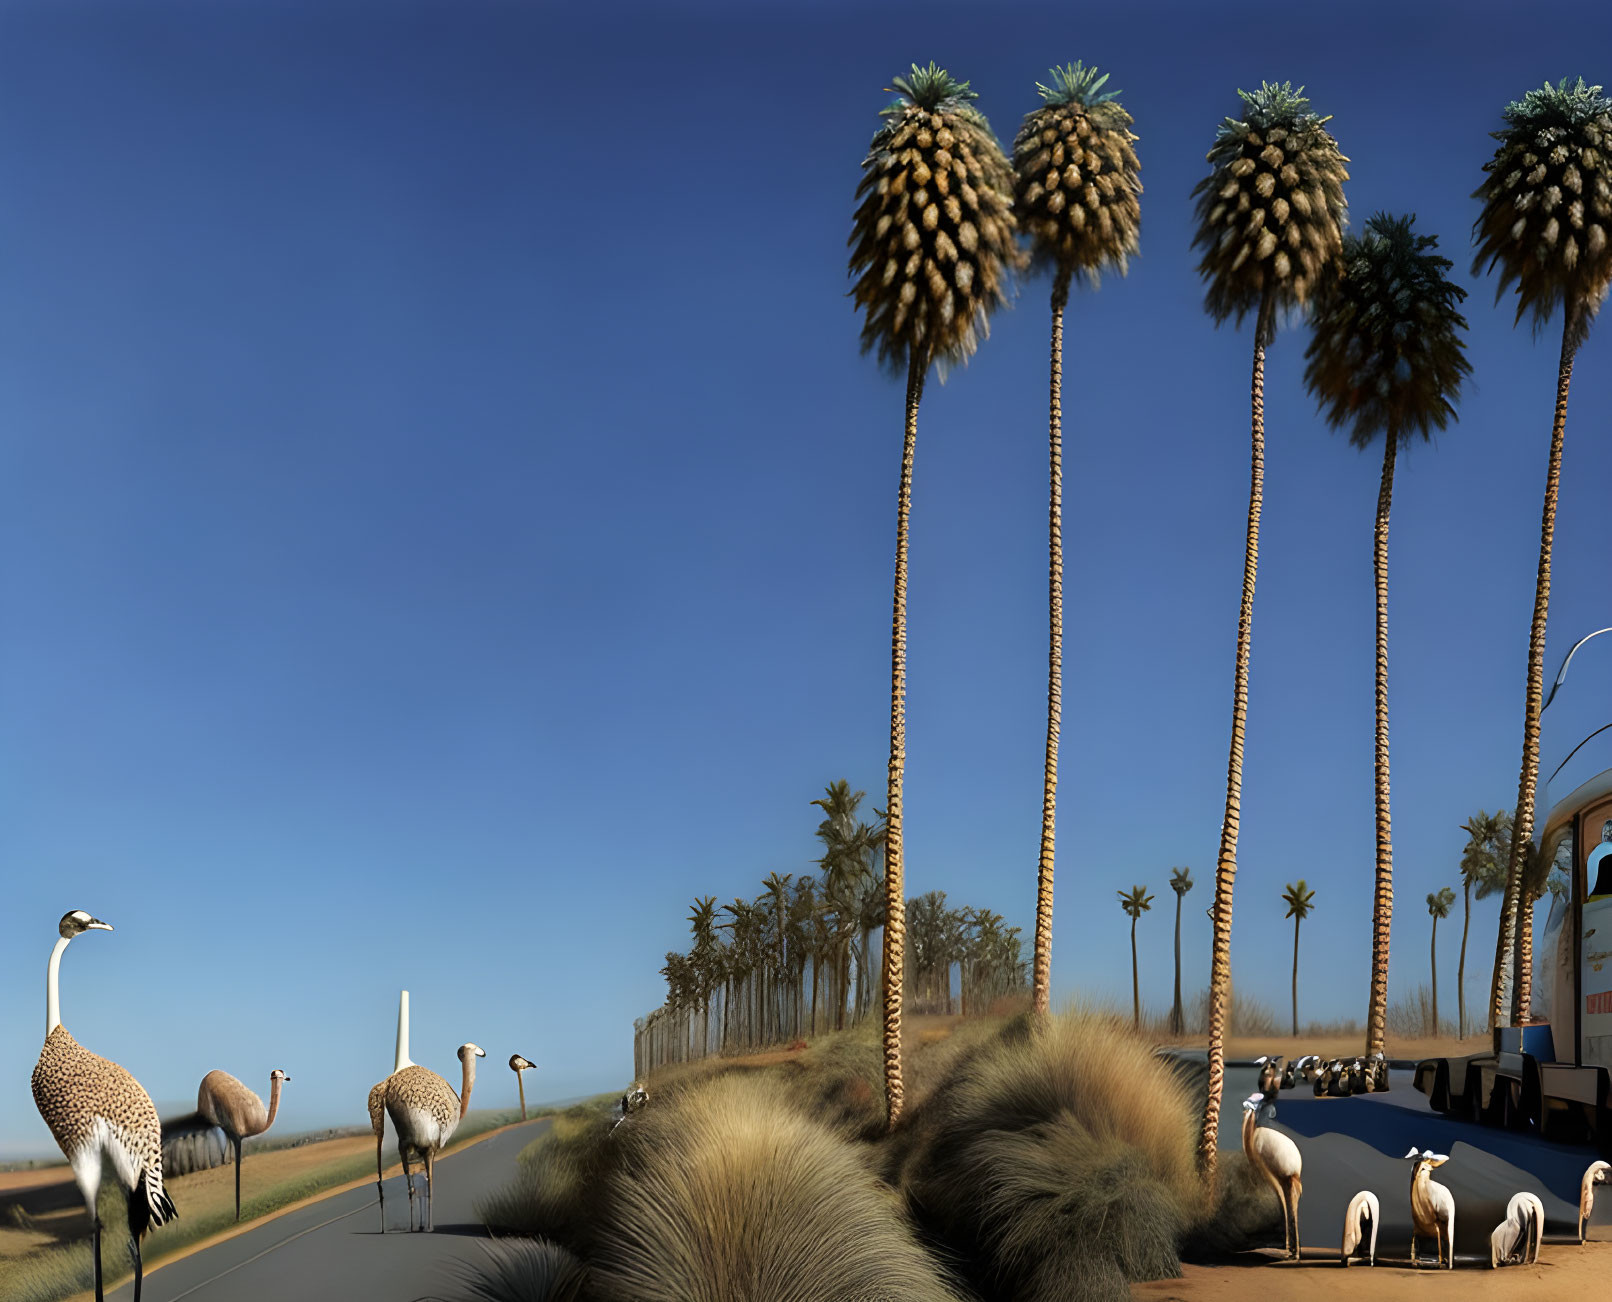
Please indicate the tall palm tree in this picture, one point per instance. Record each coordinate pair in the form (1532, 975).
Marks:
(932, 247)
(1180, 883)
(702, 919)
(1483, 866)
(1547, 224)
(1386, 358)
(1439, 906)
(1299, 899)
(1075, 182)
(1135, 905)
(1270, 216)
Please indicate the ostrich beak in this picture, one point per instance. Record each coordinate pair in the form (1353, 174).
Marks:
(481, 1053)
(95, 924)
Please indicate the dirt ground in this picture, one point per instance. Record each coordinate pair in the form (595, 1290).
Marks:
(1563, 1270)
(51, 1209)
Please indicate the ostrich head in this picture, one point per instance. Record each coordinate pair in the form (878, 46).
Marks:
(77, 922)
(1426, 1157)
(518, 1063)
(471, 1049)
(280, 1076)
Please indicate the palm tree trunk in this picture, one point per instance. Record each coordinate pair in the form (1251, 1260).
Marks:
(1522, 825)
(1226, 863)
(1434, 960)
(1177, 1020)
(1382, 909)
(1296, 921)
(1042, 971)
(1460, 971)
(895, 922)
(1136, 986)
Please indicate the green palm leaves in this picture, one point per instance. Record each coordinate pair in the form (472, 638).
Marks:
(1439, 902)
(1136, 903)
(1547, 204)
(1299, 899)
(1386, 353)
(1270, 211)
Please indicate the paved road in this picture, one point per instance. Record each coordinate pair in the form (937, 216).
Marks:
(1359, 1143)
(333, 1249)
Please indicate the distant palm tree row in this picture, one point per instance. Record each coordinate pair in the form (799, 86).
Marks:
(935, 244)
(796, 960)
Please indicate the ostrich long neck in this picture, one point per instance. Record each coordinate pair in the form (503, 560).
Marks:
(470, 1081)
(53, 997)
(1249, 1121)
(403, 1059)
(274, 1102)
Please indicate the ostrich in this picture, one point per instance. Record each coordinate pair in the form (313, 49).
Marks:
(1309, 1067)
(1270, 1075)
(1363, 1207)
(1276, 1157)
(1520, 1232)
(1288, 1074)
(1379, 1072)
(96, 1110)
(425, 1112)
(518, 1064)
(1432, 1207)
(224, 1102)
(1598, 1173)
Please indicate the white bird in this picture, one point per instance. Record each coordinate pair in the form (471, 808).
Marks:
(1363, 1207)
(1520, 1233)
(1432, 1207)
(1276, 1157)
(1598, 1173)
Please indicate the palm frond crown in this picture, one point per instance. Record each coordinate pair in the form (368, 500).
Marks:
(1270, 212)
(1300, 899)
(1386, 352)
(1076, 177)
(932, 240)
(1439, 904)
(1547, 204)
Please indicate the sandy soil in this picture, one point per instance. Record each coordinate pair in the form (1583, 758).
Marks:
(1563, 1270)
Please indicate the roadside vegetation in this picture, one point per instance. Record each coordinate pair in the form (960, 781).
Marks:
(774, 1178)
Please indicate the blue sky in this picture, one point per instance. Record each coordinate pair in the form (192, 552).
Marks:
(447, 525)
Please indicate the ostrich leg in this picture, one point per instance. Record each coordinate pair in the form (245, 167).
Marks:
(520, 1079)
(96, 1240)
(237, 1177)
(139, 1266)
(430, 1223)
(380, 1180)
(408, 1179)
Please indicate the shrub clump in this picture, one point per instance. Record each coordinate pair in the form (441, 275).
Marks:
(730, 1191)
(531, 1270)
(1058, 1161)
(555, 1192)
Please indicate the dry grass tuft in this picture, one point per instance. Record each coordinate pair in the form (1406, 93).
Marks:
(724, 1193)
(532, 1270)
(555, 1192)
(1060, 1162)
(1246, 1212)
